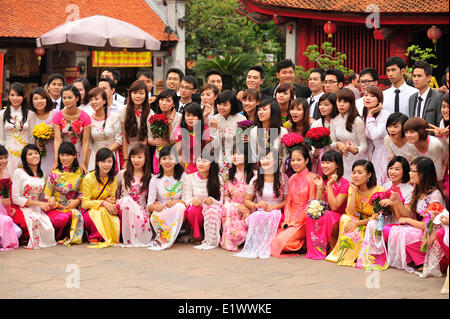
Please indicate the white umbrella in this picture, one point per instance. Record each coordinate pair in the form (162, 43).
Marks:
(98, 32)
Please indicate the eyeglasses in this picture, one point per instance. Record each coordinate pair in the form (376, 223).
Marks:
(330, 82)
(366, 82)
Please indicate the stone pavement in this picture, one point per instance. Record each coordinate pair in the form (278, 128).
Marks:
(185, 272)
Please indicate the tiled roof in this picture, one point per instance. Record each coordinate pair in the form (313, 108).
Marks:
(359, 6)
(33, 18)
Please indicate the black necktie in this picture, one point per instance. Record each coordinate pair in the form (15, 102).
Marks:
(419, 106)
(397, 100)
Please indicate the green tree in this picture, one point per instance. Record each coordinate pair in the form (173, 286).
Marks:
(214, 28)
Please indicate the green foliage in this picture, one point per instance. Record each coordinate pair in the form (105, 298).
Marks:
(416, 53)
(325, 58)
(214, 28)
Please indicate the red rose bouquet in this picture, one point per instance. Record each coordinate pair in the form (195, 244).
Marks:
(5, 186)
(376, 198)
(291, 140)
(159, 125)
(318, 137)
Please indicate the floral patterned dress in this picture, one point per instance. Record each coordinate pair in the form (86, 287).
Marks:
(72, 131)
(349, 245)
(34, 222)
(14, 136)
(234, 229)
(166, 223)
(68, 223)
(136, 229)
(9, 231)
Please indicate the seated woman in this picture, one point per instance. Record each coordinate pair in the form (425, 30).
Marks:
(319, 232)
(265, 197)
(291, 236)
(27, 192)
(406, 242)
(98, 201)
(62, 191)
(357, 214)
(165, 201)
(133, 184)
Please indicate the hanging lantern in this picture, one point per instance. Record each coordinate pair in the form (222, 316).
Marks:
(276, 18)
(39, 53)
(329, 28)
(434, 34)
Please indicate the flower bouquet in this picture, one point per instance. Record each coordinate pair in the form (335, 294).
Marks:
(316, 208)
(291, 140)
(375, 200)
(42, 133)
(5, 186)
(318, 137)
(243, 127)
(429, 222)
(159, 126)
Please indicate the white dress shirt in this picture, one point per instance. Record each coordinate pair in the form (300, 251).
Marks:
(315, 104)
(422, 105)
(389, 98)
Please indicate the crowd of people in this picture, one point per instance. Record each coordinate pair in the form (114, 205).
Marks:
(234, 169)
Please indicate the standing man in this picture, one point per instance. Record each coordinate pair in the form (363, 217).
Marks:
(315, 84)
(254, 80)
(55, 84)
(147, 76)
(396, 98)
(173, 79)
(109, 86)
(213, 76)
(353, 84)
(427, 102)
(114, 75)
(286, 74)
(367, 77)
(334, 81)
(188, 88)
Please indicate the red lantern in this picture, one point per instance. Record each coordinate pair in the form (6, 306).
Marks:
(329, 28)
(276, 18)
(434, 34)
(39, 53)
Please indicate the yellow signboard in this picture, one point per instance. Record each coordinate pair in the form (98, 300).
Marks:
(121, 59)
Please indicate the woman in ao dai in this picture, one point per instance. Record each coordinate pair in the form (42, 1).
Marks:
(134, 183)
(165, 202)
(265, 197)
(27, 192)
(62, 191)
(42, 111)
(14, 125)
(375, 120)
(347, 131)
(234, 211)
(98, 201)
(106, 129)
(203, 194)
(395, 141)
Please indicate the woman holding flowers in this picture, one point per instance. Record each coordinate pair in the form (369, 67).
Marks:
(135, 117)
(134, 183)
(234, 211)
(333, 190)
(98, 201)
(291, 236)
(41, 120)
(223, 125)
(375, 119)
(27, 193)
(265, 198)
(72, 125)
(203, 195)
(165, 202)
(357, 214)
(14, 125)
(106, 129)
(9, 232)
(412, 240)
(163, 123)
(347, 131)
(62, 192)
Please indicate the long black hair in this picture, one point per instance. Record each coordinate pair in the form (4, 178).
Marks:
(259, 182)
(147, 171)
(25, 165)
(19, 88)
(75, 92)
(131, 125)
(68, 148)
(213, 184)
(103, 154)
(166, 93)
(248, 167)
(178, 170)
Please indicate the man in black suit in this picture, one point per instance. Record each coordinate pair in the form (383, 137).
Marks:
(427, 102)
(188, 88)
(286, 74)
